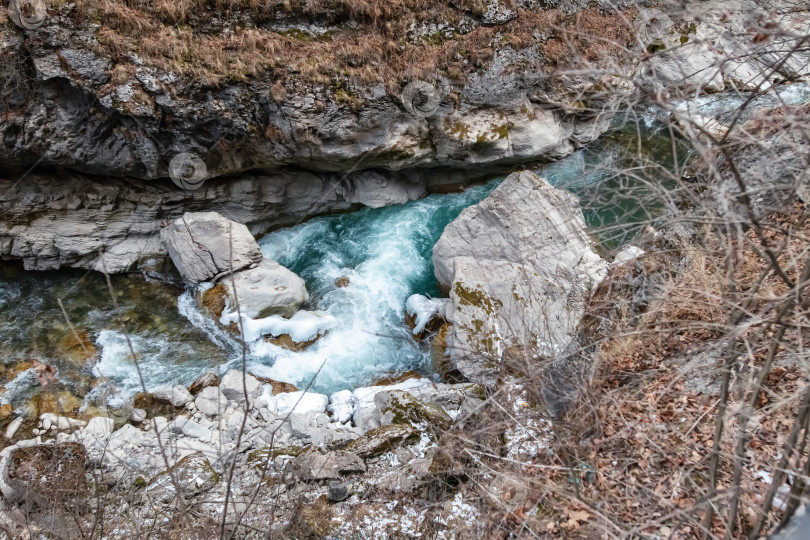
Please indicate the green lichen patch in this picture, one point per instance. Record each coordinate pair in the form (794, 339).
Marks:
(259, 455)
(383, 439)
(457, 129)
(477, 297)
(404, 408)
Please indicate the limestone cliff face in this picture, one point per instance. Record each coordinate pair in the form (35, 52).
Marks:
(77, 102)
(299, 108)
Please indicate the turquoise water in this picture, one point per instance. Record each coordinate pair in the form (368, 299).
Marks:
(622, 182)
(32, 325)
(385, 254)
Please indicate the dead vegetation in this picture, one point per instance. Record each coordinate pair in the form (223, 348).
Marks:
(366, 42)
(694, 424)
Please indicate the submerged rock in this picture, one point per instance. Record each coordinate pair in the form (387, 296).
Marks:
(285, 341)
(518, 266)
(276, 387)
(205, 245)
(78, 347)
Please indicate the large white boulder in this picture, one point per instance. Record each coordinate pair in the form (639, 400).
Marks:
(301, 402)
(519, 267)
(205, 245)
(269, 289)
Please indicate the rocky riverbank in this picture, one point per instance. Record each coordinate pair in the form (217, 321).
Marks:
(179, 443)
(240, 454)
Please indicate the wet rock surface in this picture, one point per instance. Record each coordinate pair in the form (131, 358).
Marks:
(268, 289)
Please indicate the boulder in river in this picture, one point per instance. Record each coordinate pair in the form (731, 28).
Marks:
(206, 245)
(269, 289)
(519, 266)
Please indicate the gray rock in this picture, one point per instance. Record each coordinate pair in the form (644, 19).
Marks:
(402, 480)
(505, 227)
(382, 439)
(695, 56)
(519, 267)
(210, 401)
(373, 189)
(192, 475)
(205, 245)
(189, 428)
(338, 491)
(124, 217)
(12, 427)
(137, 415)
(401, 407)
(234, 385)
(98, 428)
(366, 418)
(464, 397)
(629, 253)
(177, 395)
(311, 466)
(268, 289)
(88, 65)
(496, 14)
(203, 380)
(302, 403)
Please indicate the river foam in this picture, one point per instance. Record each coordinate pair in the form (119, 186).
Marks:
(360, 269)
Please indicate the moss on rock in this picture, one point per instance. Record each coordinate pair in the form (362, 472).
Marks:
(382, 439)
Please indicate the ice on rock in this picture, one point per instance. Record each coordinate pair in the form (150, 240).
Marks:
(342, 405)
(303, 326)
(424, 309)
(301, 403)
